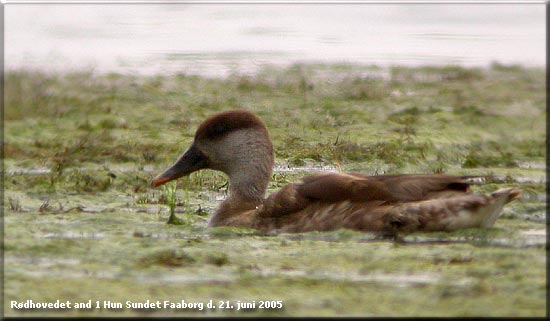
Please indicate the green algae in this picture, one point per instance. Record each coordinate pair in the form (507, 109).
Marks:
(81, 222)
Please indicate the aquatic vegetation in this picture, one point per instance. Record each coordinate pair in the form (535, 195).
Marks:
(169, 192)
(80, 220)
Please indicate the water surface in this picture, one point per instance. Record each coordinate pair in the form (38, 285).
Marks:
(215, 40)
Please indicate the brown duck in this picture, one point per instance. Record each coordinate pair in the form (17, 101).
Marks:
(237, 143)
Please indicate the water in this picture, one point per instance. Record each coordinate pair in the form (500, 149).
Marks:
(216, 40)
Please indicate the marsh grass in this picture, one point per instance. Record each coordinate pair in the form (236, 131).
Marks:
(169, 258)
(80, 150)
(15, 205)
(169, 192)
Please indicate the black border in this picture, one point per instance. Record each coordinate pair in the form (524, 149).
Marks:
(2, 26)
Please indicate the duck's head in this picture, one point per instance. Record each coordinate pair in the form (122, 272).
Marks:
(234, 142)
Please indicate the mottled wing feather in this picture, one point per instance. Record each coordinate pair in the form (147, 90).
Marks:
(283, 202)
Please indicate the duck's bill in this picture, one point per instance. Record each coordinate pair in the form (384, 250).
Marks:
(192, 160)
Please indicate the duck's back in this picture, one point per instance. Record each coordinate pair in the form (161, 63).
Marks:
(379, 203)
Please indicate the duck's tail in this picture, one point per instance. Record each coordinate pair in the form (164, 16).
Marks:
(492, 210)
(450, 214)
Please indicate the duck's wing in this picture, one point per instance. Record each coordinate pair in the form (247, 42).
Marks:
(334, 187)
(389, 188)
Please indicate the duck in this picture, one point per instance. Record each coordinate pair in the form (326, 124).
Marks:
(237, 143)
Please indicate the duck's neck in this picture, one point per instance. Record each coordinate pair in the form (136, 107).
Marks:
(246, 192)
